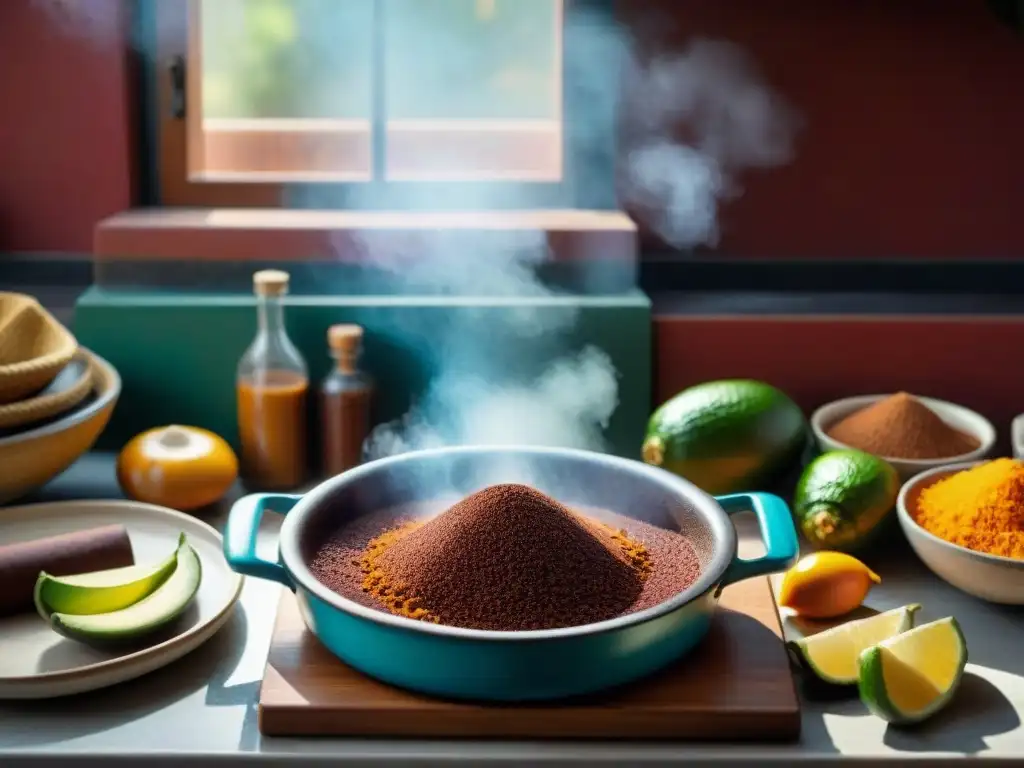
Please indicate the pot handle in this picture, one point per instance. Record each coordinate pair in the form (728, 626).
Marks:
(240, 536)
(777, 531)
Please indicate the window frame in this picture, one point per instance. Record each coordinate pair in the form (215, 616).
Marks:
(588, 179)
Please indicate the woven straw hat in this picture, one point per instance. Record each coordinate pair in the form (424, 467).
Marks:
(34, 347)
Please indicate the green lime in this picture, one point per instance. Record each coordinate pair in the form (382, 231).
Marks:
(833, 656)
(910, 677)
(843, 497)
(726, 436)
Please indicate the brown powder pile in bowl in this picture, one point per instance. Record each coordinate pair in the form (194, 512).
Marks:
(667, 561)
(506, 558)
(902, 427)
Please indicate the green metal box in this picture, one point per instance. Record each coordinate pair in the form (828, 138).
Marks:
(177, 353)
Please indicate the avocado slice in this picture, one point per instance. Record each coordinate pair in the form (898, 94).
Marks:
(101, 591)
(151, 613)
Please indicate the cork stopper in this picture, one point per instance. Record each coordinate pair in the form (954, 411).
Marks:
(344, 339)
(270, 282)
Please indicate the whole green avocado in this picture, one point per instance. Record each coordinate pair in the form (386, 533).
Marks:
(843, 498)
(727, 436)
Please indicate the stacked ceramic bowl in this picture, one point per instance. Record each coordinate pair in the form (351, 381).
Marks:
(55, 396)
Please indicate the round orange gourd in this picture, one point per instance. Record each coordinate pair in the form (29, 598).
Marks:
(179, 467)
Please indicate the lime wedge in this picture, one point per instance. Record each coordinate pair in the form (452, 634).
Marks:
(832, 655)
(912, 676)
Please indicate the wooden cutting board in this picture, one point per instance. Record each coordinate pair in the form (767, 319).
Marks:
(735, 686)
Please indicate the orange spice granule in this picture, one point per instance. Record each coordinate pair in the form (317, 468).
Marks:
(635, 552)
(398, 600)
(981, 508)
(394, 597)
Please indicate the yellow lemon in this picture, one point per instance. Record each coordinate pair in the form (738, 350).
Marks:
(826, 584)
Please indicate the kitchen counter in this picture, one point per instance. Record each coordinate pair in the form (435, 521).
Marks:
(203, 708)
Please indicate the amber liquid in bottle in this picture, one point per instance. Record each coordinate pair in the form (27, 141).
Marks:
(272, 385)
(345, 397)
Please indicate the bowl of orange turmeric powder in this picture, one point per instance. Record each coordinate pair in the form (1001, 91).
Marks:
(966, 523)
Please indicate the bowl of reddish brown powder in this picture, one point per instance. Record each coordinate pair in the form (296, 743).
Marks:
(508, 574)
(912, 433)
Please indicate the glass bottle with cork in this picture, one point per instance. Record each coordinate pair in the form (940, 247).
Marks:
(271, 385)
(345, 395)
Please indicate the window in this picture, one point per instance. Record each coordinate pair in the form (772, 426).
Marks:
(270, 102)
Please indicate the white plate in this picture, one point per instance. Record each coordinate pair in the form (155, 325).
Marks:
(37, 663)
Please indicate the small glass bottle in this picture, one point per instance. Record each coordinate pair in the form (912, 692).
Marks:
(272, 383)
(345, 396)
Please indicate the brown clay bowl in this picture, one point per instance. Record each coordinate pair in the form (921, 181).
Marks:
(31, 458)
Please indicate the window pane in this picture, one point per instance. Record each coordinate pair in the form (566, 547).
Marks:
(286, 88)
(286, 58)
(459, 59)
(473, 88)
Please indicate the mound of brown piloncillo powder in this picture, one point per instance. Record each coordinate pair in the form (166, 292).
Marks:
(506, 558)
(902, 427)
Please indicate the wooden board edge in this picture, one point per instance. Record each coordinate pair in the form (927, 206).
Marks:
(296, 721)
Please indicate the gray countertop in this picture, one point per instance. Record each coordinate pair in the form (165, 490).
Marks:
(204, 707)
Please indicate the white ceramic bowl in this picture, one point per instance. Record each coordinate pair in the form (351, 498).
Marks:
(1017, 436)
(956, 416)
(990, 577)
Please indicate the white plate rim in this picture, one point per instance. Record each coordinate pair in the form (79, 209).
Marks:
(168, 647)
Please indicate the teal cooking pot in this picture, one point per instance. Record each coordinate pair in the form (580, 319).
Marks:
(510, 666)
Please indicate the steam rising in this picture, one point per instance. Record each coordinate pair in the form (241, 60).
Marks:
(735, 122)
(477, 397)
(693, 121)
(567, 406)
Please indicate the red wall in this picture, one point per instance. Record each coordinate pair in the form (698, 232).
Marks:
(950, 358)
(65, 131)
(913, 142)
